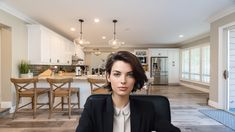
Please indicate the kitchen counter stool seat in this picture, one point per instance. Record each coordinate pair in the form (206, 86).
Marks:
(27, 87)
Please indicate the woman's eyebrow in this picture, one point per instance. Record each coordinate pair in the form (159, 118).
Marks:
(120, 71)
(116, 71)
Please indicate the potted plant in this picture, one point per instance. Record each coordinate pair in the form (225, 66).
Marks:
(24, 69)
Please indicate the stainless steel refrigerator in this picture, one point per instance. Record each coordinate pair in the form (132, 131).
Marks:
(159, 70)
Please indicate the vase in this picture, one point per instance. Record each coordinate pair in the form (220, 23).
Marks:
(26, 75)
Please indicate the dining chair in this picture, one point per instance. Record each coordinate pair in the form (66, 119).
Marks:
(27, 87)
(61, 87)
(97, 86)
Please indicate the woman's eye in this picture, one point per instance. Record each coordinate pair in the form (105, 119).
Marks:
(116, 74)
(130, 74)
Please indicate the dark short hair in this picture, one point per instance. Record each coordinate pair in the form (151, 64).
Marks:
(127, 57)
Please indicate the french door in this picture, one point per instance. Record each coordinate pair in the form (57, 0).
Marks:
(229, 73)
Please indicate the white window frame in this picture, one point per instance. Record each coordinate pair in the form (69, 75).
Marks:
(190, 80)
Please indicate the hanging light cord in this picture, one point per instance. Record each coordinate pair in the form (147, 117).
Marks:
(81, 20)
(114, 32)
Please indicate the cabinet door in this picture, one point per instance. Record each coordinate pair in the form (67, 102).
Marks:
(173, 58)
(158, 52)
(45, 46)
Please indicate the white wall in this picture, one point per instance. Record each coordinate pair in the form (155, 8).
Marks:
(18, 51)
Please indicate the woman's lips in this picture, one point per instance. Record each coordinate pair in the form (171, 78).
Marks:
(123, 88)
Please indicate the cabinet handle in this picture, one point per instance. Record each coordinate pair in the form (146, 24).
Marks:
(50, 60)
(58, 60)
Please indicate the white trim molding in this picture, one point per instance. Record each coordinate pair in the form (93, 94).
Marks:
(6, 104)
(214, 104)
(221, 14)
(195, 87)
(16, 13)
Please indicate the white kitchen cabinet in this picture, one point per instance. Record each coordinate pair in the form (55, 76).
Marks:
(48, 47)
(38, 45)
(158, 52)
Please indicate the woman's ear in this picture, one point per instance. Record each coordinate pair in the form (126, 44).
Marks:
(108, 77)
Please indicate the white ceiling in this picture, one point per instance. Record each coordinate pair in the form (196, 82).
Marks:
(140, 22)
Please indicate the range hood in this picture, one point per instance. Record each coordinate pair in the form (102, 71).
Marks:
(76, 59)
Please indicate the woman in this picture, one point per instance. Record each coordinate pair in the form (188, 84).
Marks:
(119, 112)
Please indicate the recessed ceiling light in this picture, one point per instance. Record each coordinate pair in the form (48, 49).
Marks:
(72, 29)
(181, 36)
(96, 20)
(103, 37)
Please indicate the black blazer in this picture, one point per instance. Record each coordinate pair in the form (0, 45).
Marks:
(98, 114)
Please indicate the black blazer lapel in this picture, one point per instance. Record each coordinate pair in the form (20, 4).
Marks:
(108, 115)
(135, 117)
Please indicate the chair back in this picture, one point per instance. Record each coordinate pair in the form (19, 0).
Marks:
(57, 83)
(161, 104)
(23, 84)
(97, 83)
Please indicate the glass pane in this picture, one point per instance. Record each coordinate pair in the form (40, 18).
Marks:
(195, 64)
(206, 64)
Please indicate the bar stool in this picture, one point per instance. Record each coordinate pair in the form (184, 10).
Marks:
(97, 86)
(61, 87)
(27, 87)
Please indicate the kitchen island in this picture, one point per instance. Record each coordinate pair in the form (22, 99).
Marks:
(78, 82)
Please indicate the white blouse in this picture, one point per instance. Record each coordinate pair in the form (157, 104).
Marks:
(121, 122)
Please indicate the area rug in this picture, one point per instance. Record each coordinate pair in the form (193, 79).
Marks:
(221, 116)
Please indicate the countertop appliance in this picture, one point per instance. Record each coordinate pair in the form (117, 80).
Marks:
(78, 71)
(159, 70)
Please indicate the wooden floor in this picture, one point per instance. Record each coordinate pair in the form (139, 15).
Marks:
(185, 103)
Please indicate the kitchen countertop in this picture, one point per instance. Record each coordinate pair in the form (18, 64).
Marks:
(72, 75)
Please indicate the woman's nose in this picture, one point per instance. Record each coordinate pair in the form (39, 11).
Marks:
(123, 80)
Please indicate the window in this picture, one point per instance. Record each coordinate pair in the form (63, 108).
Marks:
(206, 64)
(196, 64)
(185, 64)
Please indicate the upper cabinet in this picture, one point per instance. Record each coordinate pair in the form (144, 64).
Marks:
(158, 52)
(142, 55)
(48, 47)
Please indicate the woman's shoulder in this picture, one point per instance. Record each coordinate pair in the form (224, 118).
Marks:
(98, 100)
(142, 103)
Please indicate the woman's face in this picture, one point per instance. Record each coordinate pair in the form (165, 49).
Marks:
(121, 78)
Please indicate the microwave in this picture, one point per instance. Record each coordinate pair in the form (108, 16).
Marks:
(143, 60)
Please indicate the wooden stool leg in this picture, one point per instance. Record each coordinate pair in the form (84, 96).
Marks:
(78, 96)
(51, 101)
(17, 106)
(69, 106)
(49, 98)
(34, 102)
(62, 103)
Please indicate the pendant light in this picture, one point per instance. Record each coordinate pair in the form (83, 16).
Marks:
(115, 43)
(80, 40)
(97, 52)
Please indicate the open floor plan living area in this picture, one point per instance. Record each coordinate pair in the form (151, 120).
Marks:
(120, 66)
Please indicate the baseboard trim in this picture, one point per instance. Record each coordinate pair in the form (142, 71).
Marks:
(195, 87)
(213, 104)
(7, 104)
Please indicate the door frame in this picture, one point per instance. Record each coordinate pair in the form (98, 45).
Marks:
(223, 65)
